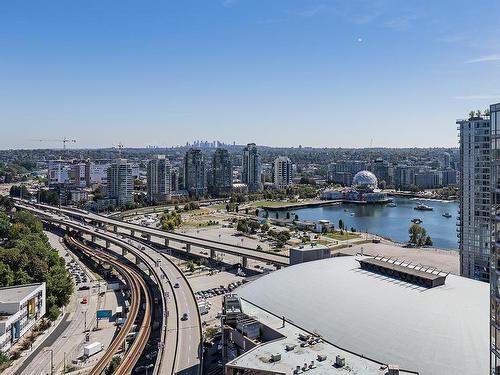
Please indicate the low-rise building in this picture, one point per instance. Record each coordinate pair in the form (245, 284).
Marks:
(20, 308)
(308, 253)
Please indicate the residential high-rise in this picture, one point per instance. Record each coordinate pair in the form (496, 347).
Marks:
(221, 176)
(342, 172)
(251, 174)
(158, 179)
(382, 170)
(474, 231)
(120, 182)
(195, 175)
(495, 255)
(174, 178)
(282, 172)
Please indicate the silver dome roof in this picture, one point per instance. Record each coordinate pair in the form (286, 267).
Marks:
(364, 180)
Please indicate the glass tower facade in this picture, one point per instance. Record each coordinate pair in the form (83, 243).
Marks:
(495, 258)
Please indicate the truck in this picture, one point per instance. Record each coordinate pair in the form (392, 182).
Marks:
(92, 349)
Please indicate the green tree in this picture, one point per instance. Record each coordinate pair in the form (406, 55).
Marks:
(113, 366)
(418, 235)
(242, 226)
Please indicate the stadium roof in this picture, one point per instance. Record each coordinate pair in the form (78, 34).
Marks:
(442, 330)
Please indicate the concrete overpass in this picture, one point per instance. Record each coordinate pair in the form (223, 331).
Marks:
(189, 241)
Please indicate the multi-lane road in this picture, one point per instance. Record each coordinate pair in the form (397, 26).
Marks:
(182, 339)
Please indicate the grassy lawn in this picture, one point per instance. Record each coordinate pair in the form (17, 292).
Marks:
(267, 204)
(342, 237)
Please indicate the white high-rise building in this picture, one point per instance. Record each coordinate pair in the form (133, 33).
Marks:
(282, 172)
(158, 179)
(120, 182)
(474, 230)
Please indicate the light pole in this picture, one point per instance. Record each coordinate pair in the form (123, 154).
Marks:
(85, 321)
(51, 360)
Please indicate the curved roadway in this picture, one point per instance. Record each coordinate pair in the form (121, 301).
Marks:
(183, 341)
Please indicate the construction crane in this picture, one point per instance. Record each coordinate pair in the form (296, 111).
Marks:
(64, 141)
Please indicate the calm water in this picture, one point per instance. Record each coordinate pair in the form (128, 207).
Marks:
(391, 222)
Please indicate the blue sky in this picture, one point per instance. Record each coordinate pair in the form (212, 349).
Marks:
(340, 73)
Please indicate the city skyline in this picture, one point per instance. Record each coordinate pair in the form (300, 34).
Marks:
(256, 71)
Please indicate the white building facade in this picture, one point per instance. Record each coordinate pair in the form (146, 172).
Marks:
(120, 182)
(282, 172)
(20, 308)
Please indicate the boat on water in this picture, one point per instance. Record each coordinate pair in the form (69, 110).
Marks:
(417, 220)
(422, 207)
(391, 204)
(447, 215)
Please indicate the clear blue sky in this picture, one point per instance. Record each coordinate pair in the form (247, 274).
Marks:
(344, 73)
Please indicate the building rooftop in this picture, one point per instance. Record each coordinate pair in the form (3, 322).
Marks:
(309, 247)
(15, 294)
(441, 330)
(298, 348)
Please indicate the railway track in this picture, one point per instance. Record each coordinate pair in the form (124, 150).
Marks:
(174, 327)
(139, 291)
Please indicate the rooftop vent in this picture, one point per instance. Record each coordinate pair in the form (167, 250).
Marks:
(339, 361)
(427, 277)
(275, 357)
(321, 357)
(289, 347)
(392, 370)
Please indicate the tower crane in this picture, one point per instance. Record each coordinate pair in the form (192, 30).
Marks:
(63, 140)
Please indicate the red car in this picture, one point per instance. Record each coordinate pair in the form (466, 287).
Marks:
(84, 300)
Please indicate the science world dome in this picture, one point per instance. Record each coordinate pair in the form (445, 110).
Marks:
(365, 181)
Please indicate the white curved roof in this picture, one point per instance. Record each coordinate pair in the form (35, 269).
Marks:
(438, 331)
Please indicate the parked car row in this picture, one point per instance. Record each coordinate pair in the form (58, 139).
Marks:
(218, 291)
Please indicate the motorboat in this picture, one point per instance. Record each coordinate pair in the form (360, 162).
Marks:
(391, 204)
(417, 220)
(447, 215)
(423, 207)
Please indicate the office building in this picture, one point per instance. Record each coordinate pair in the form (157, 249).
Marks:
(96, 173)
(308, 253)
(474, 227)
(428, 178)
(221, 174)
(282, 172)
(21, 307)
(495, 261)
(382, 170)
(195, 174)
(404, 176)
(158, 179)
(448, 177)
(251, 174)
(120, 182)
(342, 172)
